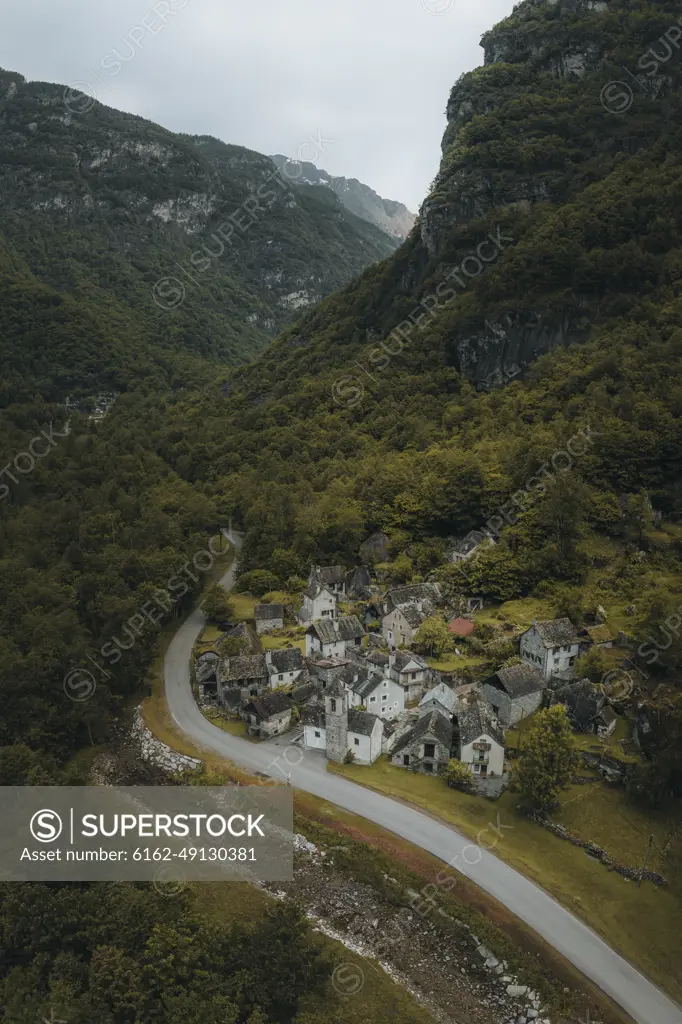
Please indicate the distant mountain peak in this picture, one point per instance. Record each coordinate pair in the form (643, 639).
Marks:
(392, 217)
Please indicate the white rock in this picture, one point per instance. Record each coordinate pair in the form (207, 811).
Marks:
(517, 990)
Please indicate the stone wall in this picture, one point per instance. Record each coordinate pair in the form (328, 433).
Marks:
(157, 753)
(599, 853)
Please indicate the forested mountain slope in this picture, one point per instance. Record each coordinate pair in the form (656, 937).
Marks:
(553, 226)
(202, 242)
(343, 426)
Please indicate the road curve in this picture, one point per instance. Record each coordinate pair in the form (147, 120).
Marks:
(590, 954)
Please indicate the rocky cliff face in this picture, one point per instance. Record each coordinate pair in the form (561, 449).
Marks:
(392, 217)
(528, 132)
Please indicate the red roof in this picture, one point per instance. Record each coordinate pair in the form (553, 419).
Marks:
(461, 627)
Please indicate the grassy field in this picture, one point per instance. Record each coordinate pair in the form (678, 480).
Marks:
(244, 604)
(294, 637)
(642, 923)
(456, 663)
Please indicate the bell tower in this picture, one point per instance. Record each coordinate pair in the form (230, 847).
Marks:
(336, 721)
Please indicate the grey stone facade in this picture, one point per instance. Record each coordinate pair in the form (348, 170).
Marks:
(336, 722)
(510, 710)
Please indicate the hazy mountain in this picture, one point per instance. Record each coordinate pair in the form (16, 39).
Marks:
(392, 217)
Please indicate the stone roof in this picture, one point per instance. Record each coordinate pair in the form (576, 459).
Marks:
(361, 722)
(520, 680)
(329, 574)
(268, 611)
(349, 627)
(434, 724)
(312, 713)
(443, 694)
(414, 616)
(401, 659)
(251, 666)
(378, 658)
(583, 700)
(469, 543)
(412, 592)
(557, 632)
(289, 659)
(271, 704)
(206, 670)
(315, 588)
(324, 630)
(475, 719)
(301, 694)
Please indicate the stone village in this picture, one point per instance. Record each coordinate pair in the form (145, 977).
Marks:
(346, 682)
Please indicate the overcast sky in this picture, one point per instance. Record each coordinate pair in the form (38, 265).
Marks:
(273, 75)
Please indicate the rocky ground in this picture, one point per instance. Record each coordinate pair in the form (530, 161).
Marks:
(446, 968)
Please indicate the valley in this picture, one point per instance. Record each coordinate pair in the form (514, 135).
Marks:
(449, 451)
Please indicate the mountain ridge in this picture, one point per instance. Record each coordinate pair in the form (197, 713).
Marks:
(390, 215)
(109, 204)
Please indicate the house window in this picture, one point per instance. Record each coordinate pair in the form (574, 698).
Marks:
(384, 696)
(476, 769)
(356, 742)
(332, 704)
(372, 700)
(429, 750)
(317, 735)
(406, 760)
(280, 677)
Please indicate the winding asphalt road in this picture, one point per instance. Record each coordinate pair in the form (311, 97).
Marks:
(574, 940)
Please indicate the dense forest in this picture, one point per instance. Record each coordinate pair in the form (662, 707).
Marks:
(421, 400)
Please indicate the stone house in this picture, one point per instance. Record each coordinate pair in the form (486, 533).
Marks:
(268, 617)
(319, 602)
(206, 673)
(400, 625)
(468, 545)
(247, 674)
(331, 638)
(333, 577)
(285, 667)
(410, 671)
(479, 740)
(586, 705)
(269, 715)
(514, 692)
(331, 726)
(350, 630)
(322, 639)
(552, 647)
(378, 694)
(441, 698)
(408, 594)
(325, 671)
(426, 747)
